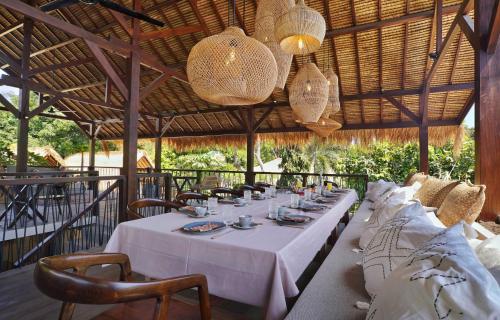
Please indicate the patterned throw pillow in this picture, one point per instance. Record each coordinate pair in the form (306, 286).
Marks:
(397, 200)
(434, 191)
(376, 189)
(443, 279)
(464, 202)
(394, 242)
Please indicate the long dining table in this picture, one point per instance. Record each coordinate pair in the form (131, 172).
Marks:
(259, 266)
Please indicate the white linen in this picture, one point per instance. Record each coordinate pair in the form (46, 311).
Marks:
(394, 242)
(258, 266)
(442, 279)
(376, 189)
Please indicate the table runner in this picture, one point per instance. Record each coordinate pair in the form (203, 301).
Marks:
(257, 267)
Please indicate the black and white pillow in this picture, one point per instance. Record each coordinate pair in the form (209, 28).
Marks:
(441, 280)
(394, 241)
(376, 189)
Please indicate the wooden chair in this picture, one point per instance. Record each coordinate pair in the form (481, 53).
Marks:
(52, 277)
(225, 192)
(208, 182)
(183, 198)
(251, 188)
(133, 212)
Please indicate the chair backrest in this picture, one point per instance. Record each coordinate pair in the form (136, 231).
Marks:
(252, 188)
(52, 278)
(183, 198)
(224, 192)
(133, 211)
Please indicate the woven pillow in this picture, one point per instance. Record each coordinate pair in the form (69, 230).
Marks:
(464, 202)
(414, 177)
(433, 191)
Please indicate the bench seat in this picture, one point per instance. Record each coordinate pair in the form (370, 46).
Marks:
(338, 284)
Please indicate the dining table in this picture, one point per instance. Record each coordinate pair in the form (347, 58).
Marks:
(259, 266)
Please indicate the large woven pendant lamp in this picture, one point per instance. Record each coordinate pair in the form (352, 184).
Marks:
(267, 13)
(301, 30)
(309, 93)
(232, 69)
(333, 105)
(324, 127)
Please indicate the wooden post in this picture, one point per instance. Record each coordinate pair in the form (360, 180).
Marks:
(158, 145)
(132, 112)
(24, 100)
(92, 147)
(249, 176)
(423, 131)
(487, 111)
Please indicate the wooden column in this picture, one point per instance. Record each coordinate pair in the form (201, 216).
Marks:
(423, 131)
(250, 115)
(487, 109)
(132, 112)
(158, 145)
(92, 146)
(24, 100)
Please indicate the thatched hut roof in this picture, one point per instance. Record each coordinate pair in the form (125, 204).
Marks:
(374, 50)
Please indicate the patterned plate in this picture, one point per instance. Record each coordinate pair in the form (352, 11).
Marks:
(203, 227)
(294, 219)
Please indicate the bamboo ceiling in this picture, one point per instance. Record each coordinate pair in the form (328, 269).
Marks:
(392, 57)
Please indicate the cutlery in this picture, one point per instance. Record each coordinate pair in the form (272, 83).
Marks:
(222, 234)
(176, 229)
(289, 226)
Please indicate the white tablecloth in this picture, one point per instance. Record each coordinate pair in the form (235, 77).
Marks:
(257, 267)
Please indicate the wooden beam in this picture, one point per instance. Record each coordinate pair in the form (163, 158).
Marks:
(84, 86)
(10, 60)
(153, 85)
(468, 105)
(57, 66)
(417, 16)
(494, 34)
(249, 176)
(43, 106)
(108, 68)
(467, 25)
(262, 118)
(9, 106)
(439, 24)
(487, 111)
(158, 145)
(397, 125)
(356, 59)
(401, 107)
(238, 118)
(122, 21)
(167, 126)
(164, 33)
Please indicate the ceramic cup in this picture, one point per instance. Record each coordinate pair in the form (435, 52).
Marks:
(240, 201)
(245, 220)
(281, 211)
(200, 211)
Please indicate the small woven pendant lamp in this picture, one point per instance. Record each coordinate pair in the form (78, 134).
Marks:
(232, 69)
(301, 30)
(333, 105)
(267, 13)
(309, 93)
(324, 127)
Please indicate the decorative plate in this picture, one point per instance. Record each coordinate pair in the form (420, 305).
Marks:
(203, 227)
(293, 219)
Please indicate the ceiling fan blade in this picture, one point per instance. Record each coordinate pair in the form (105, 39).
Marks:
(57, 4)
(116, 7)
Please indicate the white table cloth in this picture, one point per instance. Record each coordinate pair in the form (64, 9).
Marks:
(258, 266)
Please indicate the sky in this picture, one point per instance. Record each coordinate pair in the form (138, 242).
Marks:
(468, 121)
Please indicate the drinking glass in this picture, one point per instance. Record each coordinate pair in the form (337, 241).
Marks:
(329, 186)
(294, 200)
(272, 209)
(212, 204)
(267, 192)
(228, 215)
(307, 194)
(247, 195)
(273, 191)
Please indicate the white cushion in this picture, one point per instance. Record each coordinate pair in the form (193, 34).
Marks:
(376, 189)
(383, 198)
(397, 200)
(441, 280)
(434, 219)
(409, 229)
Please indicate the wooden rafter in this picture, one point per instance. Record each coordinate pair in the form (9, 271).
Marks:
(57, 66)
(494, 31)
(356, 59)
(163, 33)
(264, 116)
(43, 106)
(402, 108)
(467, 25)
(9, 106)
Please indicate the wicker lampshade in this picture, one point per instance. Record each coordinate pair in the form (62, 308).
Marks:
(301, 30)
(333, 105)
(267, 13)
(324, 127)
(309, 93)
(232, 69)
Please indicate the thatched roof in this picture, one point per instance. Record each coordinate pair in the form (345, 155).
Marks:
(112, 159)
(372, 48)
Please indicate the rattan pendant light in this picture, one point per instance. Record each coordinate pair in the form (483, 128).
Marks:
(301, 30)
(309, 93)
(232, 69)
(267, 13)
(333, 105)
(324, 127)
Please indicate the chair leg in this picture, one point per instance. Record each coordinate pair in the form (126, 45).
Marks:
(204, 302)
(67, 310)
(161, 309)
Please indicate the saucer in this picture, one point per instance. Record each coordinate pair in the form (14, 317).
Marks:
(236, 225)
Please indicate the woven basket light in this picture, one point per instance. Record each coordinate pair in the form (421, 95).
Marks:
(232, 69)
(333, 105)
(324, 127)
(301, 30)
(267, 13)
(309, 93)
